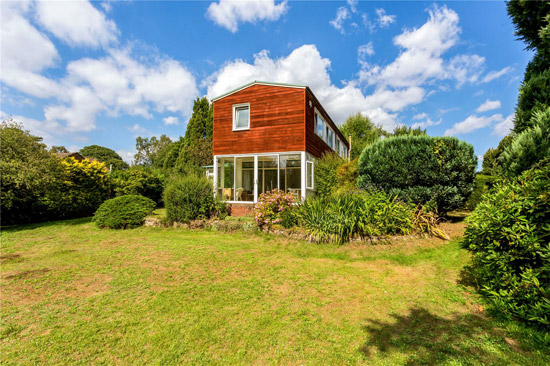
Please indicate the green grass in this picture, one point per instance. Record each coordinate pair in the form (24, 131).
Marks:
(74, 294)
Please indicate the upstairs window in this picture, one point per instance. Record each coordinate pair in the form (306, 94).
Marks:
(319, 125)
(241, 117)
(330, 137)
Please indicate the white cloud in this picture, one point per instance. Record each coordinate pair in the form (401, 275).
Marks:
(127, 155)
(384, 19)
(488, 105)
(496, 74)
(421, 58)
(420, 116)
(229, 14)
(425, 124)
(305, 66)
(25, 52)
(80, 115)
(78, 23)
(473, 123)
(171, 120)
(504, 127)
(466, 68)
(122, 81)
(137, 128)
(341, 15)
(363, 52)
(118, 83)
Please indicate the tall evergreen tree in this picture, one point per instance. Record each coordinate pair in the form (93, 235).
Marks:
(201, 122)
(532, 23)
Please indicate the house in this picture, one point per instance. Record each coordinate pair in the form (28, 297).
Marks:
(74, 155)
(267, 136)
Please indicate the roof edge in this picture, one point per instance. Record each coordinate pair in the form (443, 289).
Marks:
(257, 82)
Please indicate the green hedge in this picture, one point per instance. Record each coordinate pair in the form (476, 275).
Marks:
(123, 212)
(509, 235)
(421, 169)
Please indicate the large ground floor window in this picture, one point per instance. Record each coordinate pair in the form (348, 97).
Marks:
(244, 178)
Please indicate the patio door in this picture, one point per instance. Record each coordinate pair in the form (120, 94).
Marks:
(268, 173)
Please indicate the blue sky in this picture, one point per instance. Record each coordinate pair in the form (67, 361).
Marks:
(80, 73)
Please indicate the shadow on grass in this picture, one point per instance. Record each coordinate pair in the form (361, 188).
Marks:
(429, 339)
(37, 225)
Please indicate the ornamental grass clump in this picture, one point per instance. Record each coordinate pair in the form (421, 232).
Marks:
(273, 208)
(355, 214)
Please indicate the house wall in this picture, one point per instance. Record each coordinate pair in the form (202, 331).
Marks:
(314, 144)
(276, 121)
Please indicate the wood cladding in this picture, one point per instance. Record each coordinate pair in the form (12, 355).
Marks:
(280, 120)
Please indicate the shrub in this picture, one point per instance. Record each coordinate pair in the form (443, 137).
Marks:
(509, 234)
(421, 169)
(528, 147)
(191, 197)
(270, 208)
(347, 176)
(483, 183)
(326, 174)
(364, 214)
(124, 212)
(80, 189)
(138, 181)
(289, 217)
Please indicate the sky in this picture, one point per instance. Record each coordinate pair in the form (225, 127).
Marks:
(79, 73)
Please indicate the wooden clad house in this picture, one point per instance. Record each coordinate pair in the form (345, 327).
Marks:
(267, 136)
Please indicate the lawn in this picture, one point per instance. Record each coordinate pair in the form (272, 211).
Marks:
(74, 294)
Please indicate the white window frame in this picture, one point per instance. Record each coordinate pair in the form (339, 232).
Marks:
(308, 163)
(323, 124)
(238, 106)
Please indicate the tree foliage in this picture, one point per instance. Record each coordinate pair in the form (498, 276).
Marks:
(534, 96)
(139, 180)
(528, 147)
(148, 149)
(363, 132)
(58, 149)
(28, 172)
(421, 169)
(532, 23)
(105, 155)
(530, 19)
(201, 122)
(408, 131)
(193, 157)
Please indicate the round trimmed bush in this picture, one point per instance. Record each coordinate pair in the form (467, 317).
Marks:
(509, 235)
(191, 197)
(124, 212)
(421, 169)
